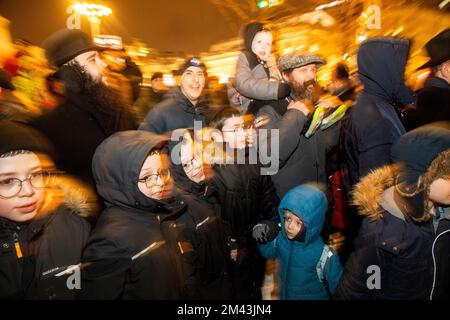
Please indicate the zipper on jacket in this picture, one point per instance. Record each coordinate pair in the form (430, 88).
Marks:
(287, 270)
(19, 253)
(434, 262)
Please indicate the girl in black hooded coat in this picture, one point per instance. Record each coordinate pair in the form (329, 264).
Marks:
(132, 253)
(205, 252)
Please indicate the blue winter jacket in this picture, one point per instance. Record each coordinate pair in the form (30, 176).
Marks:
(298, 260)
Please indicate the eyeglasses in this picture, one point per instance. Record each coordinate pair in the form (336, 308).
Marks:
(241, 128)
(10, 187)
(152, 179)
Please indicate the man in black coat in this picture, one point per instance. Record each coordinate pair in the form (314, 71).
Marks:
(433, 101)
(91, 111)
(183, 105)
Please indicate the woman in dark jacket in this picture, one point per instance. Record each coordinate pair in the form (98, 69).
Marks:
(403, 249)
(207, 256)
(133, 251)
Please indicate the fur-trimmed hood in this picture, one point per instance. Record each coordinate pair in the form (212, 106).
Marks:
(71, 194)
(367, 194)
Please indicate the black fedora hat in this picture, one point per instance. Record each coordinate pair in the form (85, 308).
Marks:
(64, 45)
(438, 49)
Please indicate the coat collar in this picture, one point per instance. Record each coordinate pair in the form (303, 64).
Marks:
(437, 82)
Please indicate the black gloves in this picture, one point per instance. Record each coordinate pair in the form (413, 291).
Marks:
(266, 231)
(283, 90)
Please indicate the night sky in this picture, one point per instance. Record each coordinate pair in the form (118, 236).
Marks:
(168, 25)
(191, 26)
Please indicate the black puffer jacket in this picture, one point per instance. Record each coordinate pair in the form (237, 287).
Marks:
(245, 197)
(31, 254)
(401, 248)
(207, 269)
(131, 223)
(174, 112)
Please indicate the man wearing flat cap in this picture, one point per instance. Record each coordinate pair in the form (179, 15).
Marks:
(184, 104)
(301, 159)
(91, 111)
(433, 101)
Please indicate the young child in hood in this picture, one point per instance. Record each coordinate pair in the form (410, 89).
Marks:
(402, 249)
(42, 229)
(257, 76)
(308, 269)
(133, 251)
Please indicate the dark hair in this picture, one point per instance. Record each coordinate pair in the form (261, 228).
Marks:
(157, 75)
(13, 153)
(222, 116)
(342, 71)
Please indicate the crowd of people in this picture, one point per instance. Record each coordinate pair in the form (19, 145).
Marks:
(110, 191)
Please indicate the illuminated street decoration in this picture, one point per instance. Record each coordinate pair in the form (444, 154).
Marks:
(92, 9)
(268, 3)
(108, 41)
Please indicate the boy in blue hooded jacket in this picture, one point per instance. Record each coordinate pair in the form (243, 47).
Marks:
(308, 269)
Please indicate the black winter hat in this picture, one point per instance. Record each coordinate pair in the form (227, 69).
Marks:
(249, 31)
(191, 62)
(16, 136)
(64, 45)
(417, 149)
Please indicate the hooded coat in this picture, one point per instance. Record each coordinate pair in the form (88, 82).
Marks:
(207, 275)
(397, 245)
(298, 260)
(253, 77)
(174, 112)
(52, 241)
(373, 124)
(413, 254)
(131, 223)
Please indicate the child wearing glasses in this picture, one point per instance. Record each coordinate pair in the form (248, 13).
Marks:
(133, 251)
(245, 196)
(42, 229)
(204, 235)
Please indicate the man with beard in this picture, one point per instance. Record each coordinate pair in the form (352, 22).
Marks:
(301, 159)
(91, 111)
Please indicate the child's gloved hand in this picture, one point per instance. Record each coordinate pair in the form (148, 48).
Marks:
(265, 231)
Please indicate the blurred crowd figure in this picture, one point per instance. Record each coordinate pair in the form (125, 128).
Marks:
(110, 189)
